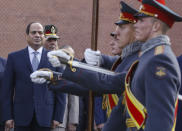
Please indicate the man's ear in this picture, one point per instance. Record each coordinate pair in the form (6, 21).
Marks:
(156, 26)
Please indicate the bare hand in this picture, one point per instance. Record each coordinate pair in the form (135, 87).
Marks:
(100, 126)
(9, 124)
(71, 127)
(55, 124)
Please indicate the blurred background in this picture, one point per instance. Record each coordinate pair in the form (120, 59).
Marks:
(73, 19)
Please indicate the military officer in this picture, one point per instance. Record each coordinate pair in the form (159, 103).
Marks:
(152, 85)
(124, 36)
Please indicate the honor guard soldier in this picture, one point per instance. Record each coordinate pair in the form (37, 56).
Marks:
(99, 82)
(152, 84)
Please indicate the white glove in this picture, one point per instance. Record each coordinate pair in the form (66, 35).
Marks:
(92, 57)
(53, 58)
(39, 77)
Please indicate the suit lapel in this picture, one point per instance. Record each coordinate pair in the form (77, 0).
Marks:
(27, 59)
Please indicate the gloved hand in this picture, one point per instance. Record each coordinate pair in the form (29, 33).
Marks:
(92, 57)
(53, 58)
(41, 77)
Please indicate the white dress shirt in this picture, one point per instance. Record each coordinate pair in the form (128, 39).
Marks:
(31, 54)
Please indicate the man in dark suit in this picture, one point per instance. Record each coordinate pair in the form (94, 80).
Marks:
(2, 67)
(24, 105)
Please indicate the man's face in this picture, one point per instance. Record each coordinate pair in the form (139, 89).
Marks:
(143, 29)
(36, 35)
(116, 49)
(51, 44)
(123, 35)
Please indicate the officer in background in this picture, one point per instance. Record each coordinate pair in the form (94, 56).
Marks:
(51, 37)
(72, 102)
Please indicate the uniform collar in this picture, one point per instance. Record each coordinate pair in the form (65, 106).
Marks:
(160, 40)
(130, 49)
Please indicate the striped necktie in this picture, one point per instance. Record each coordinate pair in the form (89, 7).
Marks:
(35, 61)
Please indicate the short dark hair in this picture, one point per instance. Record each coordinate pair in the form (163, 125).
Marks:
(28, 27)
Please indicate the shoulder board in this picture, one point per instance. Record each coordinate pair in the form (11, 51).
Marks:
(159, 50)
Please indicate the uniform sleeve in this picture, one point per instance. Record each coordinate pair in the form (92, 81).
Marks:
(108, 61)
(69, 87)
(161, 88)
(98, 82)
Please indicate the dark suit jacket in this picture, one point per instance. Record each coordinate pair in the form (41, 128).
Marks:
(2, 67)
(21, 99)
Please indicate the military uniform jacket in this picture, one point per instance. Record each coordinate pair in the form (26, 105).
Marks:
(156, 84)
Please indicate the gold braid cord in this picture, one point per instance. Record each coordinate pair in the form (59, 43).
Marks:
(47, 69)
(71, 60)
(51, 78)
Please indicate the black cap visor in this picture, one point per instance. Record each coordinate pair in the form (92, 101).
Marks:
(122, 22)
(140, 14)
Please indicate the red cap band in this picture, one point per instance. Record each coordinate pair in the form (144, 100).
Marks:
(162, 15)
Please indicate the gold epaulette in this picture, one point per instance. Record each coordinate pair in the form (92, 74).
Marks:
(67, 51)
(159, 50)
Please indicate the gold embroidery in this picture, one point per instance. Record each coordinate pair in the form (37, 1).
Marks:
(160, 71)
(159, 50)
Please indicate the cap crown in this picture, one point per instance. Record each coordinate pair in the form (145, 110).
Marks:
(50, 29)
(127, 14)
(158, 9)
